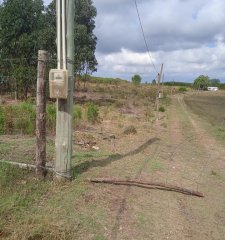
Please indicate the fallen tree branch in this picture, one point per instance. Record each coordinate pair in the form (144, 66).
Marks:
(20, 165)
(24, 165)
(150, 185)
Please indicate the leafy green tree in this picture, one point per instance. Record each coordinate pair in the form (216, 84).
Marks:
(201, 82)
(153, 82)
(25, 78)
(214, 82)
(21, 23)
(85, 41)
(47, 36)
(136, 79)
(27, 26)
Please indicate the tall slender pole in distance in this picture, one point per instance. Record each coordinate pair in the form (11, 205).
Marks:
(157, 97)
(163, 77)
(64, 107)
(158, 91)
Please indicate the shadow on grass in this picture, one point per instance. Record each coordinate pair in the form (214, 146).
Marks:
(84, 166)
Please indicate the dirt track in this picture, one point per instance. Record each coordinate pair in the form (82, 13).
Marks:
(184, 154)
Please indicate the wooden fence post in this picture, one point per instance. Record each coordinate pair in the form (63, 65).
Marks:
(41, 114)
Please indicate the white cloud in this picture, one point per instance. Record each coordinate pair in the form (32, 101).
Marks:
(187, 35)
(178, 63)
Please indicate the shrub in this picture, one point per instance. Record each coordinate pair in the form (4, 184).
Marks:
(1, 121)
(182, 89)
(149, 114)
(25, 116)
(92, 112)
(130, 130)
(136, 79)
(8, 115)
(51, 117)
(162, 109)
(77, 115)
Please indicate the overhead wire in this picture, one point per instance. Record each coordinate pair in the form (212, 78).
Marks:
(143, 33)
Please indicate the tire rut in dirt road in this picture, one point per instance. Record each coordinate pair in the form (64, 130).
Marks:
(181, 157)
(209, 159)
(184, 151)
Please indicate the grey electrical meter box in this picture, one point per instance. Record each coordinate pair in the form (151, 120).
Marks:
(58, 83)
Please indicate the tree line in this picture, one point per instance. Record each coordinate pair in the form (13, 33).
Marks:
(202, 82)
(27, 26)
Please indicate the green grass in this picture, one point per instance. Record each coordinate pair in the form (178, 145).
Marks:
(182, 89)
(51, 118)
(217, 174)
(1, 121)
(218, 132)
(47, 210)
(19, 190)
(16, 149)
(141, 219)
(82, 161)
(5, 150)
(154, 165)
(162, 109)
(20, 118)
(92, 112)
(166, 100)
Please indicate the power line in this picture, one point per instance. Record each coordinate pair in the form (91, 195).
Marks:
(146, 44)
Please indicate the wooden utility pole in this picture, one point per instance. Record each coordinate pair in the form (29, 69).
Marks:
(158, 91)
(41, 113)
(65, 37)
(163, 76)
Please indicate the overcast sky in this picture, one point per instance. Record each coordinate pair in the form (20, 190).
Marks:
(188, 36)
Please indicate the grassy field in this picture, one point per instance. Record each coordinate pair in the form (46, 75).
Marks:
(131, 144)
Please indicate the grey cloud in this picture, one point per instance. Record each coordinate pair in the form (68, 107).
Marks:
(187, 35)
(167, 25)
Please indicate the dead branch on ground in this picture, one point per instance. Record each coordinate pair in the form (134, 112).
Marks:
(149, 185)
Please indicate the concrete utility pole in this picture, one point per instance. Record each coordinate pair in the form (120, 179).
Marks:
(65, 52)
(158, 91)
(41, 114)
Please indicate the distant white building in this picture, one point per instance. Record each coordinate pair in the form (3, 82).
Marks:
(213, 88)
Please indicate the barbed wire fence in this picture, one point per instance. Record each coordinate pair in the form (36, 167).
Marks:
(18, 83)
